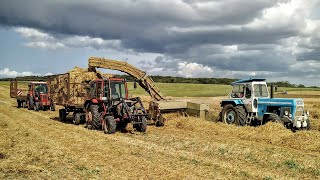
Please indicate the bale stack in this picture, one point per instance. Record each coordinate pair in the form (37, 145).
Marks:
(79, 79)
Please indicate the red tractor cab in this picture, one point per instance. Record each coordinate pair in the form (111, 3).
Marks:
(39, 97)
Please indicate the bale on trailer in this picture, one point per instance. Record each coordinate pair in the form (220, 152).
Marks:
(70, 90)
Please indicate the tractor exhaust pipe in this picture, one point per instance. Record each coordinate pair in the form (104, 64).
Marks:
(273, 88)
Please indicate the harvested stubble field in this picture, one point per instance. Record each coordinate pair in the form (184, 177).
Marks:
(35, 146)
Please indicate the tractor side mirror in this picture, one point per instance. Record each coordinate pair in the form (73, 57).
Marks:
(135, 84)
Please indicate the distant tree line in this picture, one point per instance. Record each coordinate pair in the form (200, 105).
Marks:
(169, 79)
(288, 84)
(30, 78)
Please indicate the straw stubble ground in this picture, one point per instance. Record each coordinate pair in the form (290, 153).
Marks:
(33, 145)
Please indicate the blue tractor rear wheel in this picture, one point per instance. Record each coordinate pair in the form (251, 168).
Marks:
(233, 115)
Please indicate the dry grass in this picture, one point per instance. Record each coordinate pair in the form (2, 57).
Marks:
(34, 146)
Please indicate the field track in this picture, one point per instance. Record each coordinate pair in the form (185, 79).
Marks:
(35, 145)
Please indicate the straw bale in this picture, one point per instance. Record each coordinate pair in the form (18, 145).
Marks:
(79, 79)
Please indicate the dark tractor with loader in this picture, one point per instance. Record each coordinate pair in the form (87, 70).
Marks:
(109, 108)
(250, 103)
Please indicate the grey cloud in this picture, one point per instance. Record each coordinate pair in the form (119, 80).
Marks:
(312, 55)
(141, 25)
(201, 31)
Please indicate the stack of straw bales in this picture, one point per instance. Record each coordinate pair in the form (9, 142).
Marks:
(79, 80)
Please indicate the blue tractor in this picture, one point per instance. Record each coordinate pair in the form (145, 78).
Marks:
(250, 103)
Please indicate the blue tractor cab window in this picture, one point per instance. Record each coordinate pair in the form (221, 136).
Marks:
(237, 91)
(260, 90)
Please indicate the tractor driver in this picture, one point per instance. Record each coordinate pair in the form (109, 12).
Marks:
(40, 89)
(114, 93)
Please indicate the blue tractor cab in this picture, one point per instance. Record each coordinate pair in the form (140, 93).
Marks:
(250, 103)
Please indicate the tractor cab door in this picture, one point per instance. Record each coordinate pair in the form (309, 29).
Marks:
(118, 89)
(249, 99)
(96, 90)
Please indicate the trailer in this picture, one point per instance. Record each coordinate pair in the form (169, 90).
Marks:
(70, 93)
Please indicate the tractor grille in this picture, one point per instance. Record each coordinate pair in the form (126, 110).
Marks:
(44, 97)
(299, 111)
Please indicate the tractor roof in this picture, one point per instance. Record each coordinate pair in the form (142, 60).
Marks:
(248, 80)
(38, 82)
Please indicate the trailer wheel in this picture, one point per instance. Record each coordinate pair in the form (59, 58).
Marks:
(76, 118)
(62, 114)
(36, 106)
(142, 127)
(30, 104)
(95, 116)
(233, 115)
(19, 104)
(109, 125)
(24, 104)
(274, 118)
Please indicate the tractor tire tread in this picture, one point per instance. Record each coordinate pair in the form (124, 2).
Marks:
(241, 115)
(76, 119)
(31, 104)
(275, 118)
(95, 117)
(110, 125)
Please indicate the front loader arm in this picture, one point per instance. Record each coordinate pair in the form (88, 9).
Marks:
(144, 81)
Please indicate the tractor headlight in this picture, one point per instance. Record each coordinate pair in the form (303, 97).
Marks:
(286, 113)
(255, 103)
(308, 114)
(290, 115)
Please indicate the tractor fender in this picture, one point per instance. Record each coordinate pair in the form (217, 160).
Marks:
(94, 101)
(87, 104)
(265, 116)
(234, 102)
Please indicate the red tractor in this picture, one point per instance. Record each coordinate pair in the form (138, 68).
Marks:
(109, 108)
(36, 96)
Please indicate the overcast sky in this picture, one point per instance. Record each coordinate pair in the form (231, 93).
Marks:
(277, 40)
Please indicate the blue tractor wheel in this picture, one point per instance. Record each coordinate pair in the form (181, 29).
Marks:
(233, 115)
(274, 118)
